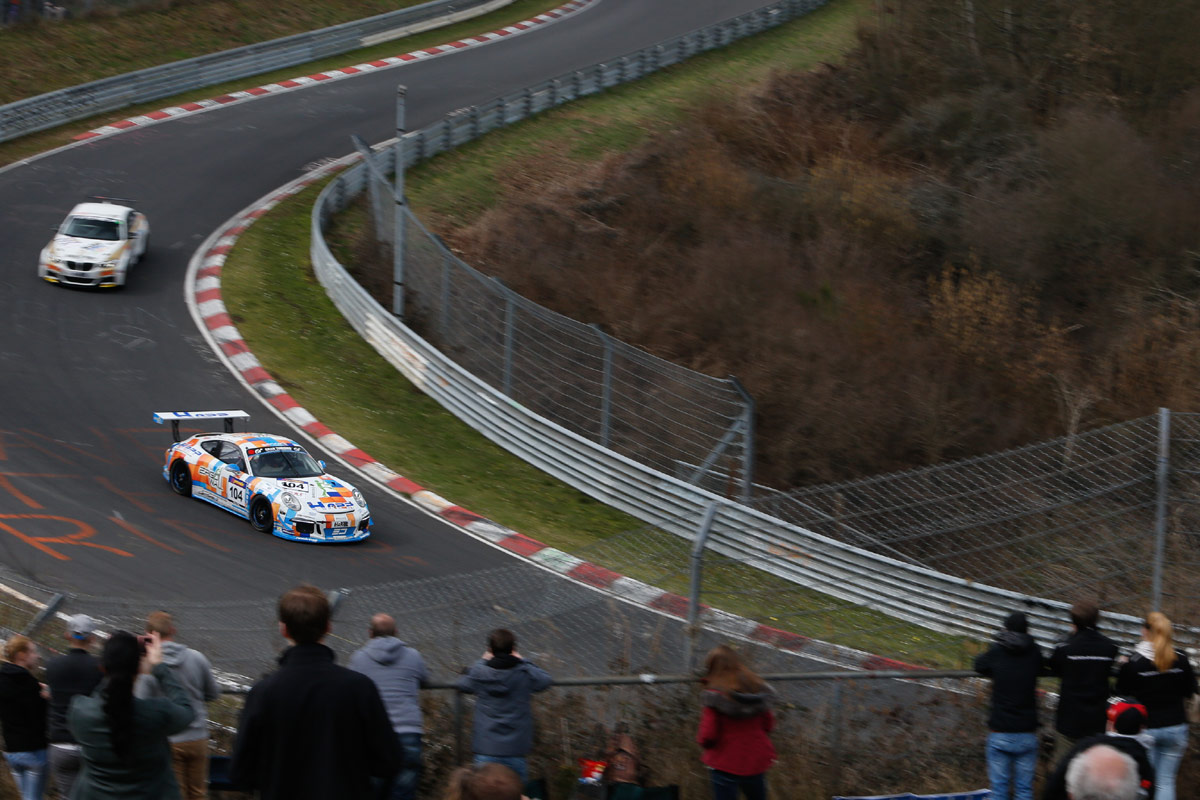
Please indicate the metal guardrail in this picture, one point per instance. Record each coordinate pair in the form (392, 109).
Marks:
(109, 94)
(922, 596)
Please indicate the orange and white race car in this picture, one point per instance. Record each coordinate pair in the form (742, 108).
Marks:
(270, 480)
(96, 245)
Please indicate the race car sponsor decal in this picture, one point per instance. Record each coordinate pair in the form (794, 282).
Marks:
(293, 485)
(253, 451)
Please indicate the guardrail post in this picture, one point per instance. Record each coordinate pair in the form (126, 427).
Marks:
(697, 571)
(474, 114)
(527, 102)
(47, 611)
(458, 727)
(398, 235)
(576, 84)
(554, 90)
(1163, 479)
(605, 388)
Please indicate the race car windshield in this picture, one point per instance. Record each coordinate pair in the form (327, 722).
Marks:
(84, 228)
(284, 464)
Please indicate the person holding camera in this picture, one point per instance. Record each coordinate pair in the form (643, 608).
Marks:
(123, 739)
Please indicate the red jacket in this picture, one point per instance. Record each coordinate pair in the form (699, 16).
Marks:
(733, 732)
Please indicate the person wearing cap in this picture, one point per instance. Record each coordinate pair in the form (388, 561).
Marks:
(1013, 662)
(1126, 721)
(76, 672)
(1085, 662)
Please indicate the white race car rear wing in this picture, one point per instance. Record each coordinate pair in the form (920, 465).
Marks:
(174, 417)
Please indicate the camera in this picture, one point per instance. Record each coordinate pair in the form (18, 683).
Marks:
(143, 640)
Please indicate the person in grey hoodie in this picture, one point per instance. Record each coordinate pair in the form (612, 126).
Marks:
(399, 673)
(189, 748)
(503, 683)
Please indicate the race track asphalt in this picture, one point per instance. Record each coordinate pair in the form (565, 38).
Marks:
(83, 505)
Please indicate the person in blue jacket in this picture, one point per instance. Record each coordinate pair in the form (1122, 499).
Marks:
(503, 683)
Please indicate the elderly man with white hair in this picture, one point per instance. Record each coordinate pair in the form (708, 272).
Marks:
(1103, 773)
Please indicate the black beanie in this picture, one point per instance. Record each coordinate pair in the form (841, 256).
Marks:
(1016, 622)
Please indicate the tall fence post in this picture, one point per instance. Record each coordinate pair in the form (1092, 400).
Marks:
(398, 235)
(835, 756)
(459, 708)
(1160, 513)
(605, 388)
(510, 324)
(747, 440)
(697, 571)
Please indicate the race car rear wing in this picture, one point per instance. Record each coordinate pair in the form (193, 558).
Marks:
(174, 417)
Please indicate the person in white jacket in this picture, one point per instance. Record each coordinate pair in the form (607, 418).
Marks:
(189, 748)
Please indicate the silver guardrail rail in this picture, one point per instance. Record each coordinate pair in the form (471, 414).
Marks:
(915, 594)
(44, 111)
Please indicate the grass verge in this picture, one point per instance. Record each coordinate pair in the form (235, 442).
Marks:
(49, 57)
(354, 391)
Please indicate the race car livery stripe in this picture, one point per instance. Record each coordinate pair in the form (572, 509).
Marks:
(292, 84)
(206, 279)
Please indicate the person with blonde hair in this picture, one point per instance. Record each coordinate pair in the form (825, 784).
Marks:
(23, 717)
(1161, 678)
(735, 723)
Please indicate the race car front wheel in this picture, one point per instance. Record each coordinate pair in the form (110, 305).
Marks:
(181, 478)
(262, 518)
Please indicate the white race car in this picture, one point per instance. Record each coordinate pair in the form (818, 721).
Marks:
(96, 245)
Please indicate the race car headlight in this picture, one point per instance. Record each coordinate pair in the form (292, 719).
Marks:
(110, 264)
(358, 498)
(289, 500)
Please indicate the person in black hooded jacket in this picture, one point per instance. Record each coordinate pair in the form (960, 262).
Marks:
(23, 717)
(1013, 662)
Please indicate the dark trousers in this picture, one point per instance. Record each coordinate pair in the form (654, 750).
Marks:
(726, 785)
(403, 786)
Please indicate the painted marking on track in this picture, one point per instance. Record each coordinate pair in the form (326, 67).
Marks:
(18, 441)
(7, 486)
(59, 443)
(131, 528)
(192, 534)
(130, 496)
(83, 531)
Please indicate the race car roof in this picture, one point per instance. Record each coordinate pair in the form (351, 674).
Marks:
(100, 211)
(256, 441)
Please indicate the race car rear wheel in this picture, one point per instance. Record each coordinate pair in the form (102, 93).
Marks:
(181, 478)
(262, 518)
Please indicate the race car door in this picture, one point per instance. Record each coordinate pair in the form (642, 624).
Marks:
(233, 476)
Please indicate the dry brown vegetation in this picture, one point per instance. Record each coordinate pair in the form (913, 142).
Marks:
(980, 231)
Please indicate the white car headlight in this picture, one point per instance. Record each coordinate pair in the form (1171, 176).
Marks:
(358, 498)
(110, 264)
(289, 500)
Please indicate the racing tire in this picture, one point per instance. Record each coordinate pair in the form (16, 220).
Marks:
(181, 478)
(262, 518)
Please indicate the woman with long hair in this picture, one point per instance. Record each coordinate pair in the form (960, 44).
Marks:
(23, 717)
(1161, 678)
(735, 721)
(123, 739)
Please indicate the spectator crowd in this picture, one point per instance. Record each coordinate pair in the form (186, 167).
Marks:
(132, 722)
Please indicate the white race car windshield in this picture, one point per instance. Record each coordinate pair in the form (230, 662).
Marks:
(84, 228)
(284, 464)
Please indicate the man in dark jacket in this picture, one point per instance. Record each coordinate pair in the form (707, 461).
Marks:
(503, 683)
(1013, 662)
(75, 672)
(399, 672)
(1085, 663)
(312, 729)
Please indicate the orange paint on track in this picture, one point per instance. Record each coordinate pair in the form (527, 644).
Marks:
(82, 532)
(132, 529)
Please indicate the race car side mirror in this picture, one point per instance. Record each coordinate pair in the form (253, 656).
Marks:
(321, 464)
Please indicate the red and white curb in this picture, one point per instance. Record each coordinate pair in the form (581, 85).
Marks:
(203, 295)
(293, 84)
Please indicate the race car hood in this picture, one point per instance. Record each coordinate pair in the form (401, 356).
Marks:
(75, 249)
(321, 495)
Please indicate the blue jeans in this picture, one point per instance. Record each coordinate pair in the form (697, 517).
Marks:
(1169, 746)
(725, 785)
(1011, 758)
(403, 786)
(29, 772)
(515, 763)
